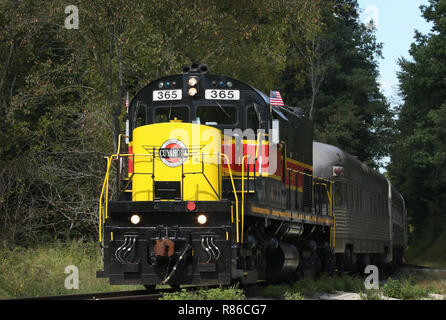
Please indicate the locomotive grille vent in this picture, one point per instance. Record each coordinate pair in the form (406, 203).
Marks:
(167, 190)
(307, 189)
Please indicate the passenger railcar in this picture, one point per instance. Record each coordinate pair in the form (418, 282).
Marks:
(370, 214)
(213, 185)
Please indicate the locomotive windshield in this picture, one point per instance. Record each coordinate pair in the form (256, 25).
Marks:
(167, 113)
(217, 115)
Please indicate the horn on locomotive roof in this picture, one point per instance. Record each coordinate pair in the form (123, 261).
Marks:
(195, 68)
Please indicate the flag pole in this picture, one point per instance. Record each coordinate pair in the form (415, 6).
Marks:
(127, 129)
(270, 105)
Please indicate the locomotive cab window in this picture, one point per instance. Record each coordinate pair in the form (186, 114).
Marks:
(217, 115)
(139, 114)
(252, 118)
(167, 113)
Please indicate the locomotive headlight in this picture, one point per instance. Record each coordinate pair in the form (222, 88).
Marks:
(192, 81)
(192, 91)
(135, 219)
(202, 219)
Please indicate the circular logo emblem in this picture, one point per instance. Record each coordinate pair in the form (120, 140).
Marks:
(173, 153)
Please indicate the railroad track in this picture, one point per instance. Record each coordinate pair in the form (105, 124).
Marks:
(253, 290)
(118, 295)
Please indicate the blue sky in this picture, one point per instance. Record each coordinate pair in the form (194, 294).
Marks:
(396, 22)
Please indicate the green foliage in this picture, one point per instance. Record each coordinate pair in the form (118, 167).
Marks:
(333, 75)
(310, 287)
(329, 284)
(427, 254)
(276, 291)
(418, 150)
(293, 296)
(371, 295)
(39, 271)
(231, 293)
(62, 91)
(405, 289)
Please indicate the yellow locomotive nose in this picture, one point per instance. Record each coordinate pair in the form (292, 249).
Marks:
(176, 161)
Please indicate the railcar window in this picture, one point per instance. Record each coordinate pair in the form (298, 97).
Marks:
(216, 115)
(167, 113)
(383, 206)
(380, 206)
(360, 200)
(375, 206)
(339, 194)
(351, 197)
(346, 195)
(357, 198)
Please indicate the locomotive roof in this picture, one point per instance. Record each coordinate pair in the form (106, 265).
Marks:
(144, 93)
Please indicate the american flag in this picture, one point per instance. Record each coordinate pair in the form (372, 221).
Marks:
(275, 99)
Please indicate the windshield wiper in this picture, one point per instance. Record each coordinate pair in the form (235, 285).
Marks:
(223, 110)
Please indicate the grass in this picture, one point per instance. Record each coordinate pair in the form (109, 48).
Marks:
(410, 287)
(231, 293)
(405, 289)
(40, 271)
(429, 254)
(435, 281)
(309, 287)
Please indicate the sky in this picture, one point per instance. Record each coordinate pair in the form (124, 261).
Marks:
(396, 22)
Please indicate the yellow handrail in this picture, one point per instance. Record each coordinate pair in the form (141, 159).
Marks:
(333, 242)
(235, 195)
(243, 193)
(103, 216)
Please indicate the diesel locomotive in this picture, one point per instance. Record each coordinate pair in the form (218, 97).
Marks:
(214, 185)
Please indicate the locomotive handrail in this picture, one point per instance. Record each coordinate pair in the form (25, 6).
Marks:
(103, 216)
(333, 242)
(235, 195)
(329, 194)
(330, 203)
(218, 194)
(103, 208)
(243, 192)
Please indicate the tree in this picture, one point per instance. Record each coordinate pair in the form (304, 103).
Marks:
(419, 149)
(62, 90)
(340, 91)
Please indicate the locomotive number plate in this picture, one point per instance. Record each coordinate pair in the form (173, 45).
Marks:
(215, 94)
(163, 95)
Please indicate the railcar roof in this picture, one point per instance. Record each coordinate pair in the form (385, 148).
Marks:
(326, 156)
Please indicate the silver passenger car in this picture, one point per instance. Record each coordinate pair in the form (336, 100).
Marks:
(370, 214)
